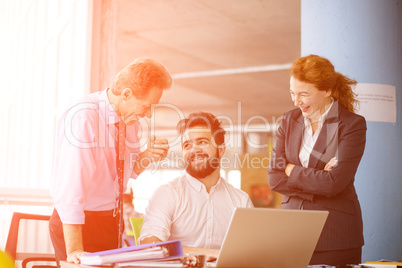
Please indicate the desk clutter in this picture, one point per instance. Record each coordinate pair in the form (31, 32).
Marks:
(368, 264)
(155, 251)
(384, 264)
(162, 254)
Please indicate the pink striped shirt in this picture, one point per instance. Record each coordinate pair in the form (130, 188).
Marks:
(84, 168)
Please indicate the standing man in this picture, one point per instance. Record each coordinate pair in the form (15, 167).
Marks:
(86, 185)
(195, 208)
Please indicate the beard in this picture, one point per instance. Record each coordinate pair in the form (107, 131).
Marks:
(202, 170)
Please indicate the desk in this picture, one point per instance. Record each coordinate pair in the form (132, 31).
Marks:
(65, 264)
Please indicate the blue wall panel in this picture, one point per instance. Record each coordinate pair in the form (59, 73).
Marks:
(362, 38)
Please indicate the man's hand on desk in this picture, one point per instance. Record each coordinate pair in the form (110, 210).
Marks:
(152, 239)
(75, 256)
(212, 254)
(73, 238)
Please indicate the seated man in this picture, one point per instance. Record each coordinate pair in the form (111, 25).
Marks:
(195, 208)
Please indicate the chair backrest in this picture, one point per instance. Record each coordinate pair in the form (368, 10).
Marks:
(12, 240)
(136, 223)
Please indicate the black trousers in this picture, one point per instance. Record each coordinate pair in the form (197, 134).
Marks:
(100, 232)
(337, 257)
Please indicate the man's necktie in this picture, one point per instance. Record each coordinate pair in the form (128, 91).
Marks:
(120, 144)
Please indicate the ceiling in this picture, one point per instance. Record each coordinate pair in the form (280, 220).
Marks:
(227, 57)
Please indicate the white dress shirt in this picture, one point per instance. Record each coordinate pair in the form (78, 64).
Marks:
(183, 210)
(84, 168)
(309, 138)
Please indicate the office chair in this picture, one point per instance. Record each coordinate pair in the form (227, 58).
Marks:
(12, 239)
(136, 223)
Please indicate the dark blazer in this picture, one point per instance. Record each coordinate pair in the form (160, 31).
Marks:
(343, 135)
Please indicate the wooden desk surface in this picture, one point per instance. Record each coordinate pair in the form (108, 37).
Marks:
(65, 264)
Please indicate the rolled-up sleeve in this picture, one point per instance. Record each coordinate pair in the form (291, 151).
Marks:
(74, 166)
(159, 214)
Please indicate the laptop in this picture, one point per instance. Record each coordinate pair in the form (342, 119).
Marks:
(262, 237)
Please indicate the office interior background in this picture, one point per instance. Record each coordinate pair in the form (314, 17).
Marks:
(227, 57)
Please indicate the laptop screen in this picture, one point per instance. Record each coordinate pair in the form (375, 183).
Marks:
(262, 237)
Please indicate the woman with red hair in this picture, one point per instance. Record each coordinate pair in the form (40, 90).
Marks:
(317, 150)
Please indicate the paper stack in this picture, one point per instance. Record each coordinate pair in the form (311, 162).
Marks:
(147, 252)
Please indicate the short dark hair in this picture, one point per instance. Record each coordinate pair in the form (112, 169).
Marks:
(205, 120)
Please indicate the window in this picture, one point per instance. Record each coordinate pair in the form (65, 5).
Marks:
(44, 67)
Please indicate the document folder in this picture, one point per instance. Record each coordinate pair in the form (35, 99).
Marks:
(153, 251)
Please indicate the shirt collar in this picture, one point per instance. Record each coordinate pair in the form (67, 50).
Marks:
(322, 118)
(107, 109)
(197, 184)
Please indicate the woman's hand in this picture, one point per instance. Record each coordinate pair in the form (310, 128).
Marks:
(331, 164)
(288, 169)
